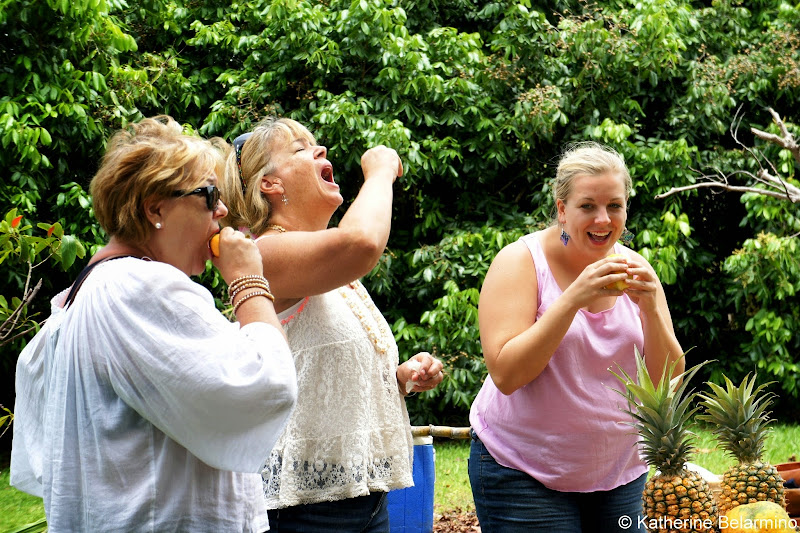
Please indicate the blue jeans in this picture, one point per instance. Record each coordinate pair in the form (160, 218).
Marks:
(511, 501)
(364, 514)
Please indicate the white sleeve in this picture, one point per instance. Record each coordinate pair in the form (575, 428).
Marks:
(221, 391)
(30, 385)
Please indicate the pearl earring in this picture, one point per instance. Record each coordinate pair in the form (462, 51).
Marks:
(158, 225)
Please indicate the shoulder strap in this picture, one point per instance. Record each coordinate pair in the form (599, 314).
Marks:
(82, 277)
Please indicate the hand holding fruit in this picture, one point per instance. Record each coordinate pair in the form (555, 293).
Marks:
(241, 257)
(640, 284)
(381, 159)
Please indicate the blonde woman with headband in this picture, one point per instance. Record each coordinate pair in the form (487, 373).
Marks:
(551, 448)
(348, 442)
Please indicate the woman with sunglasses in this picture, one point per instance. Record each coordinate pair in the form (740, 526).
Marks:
(348, 442)
(140, 407)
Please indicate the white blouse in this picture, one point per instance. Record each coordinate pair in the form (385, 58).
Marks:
(350, 433)
(142, 408)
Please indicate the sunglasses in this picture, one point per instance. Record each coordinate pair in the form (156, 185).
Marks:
(238, 144)
(210, 191)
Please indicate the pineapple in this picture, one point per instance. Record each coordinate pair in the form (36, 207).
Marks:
(740, 421)
(674, 498)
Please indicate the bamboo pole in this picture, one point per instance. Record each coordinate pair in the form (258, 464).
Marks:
(440, 431)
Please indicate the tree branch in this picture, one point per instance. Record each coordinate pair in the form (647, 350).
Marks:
(792, 196)
(785, 140)
(10, 323)
(777, 186)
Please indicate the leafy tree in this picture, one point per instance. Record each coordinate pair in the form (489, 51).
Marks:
(479, 98)
(21, 247)
(60, 98)
(765, 271)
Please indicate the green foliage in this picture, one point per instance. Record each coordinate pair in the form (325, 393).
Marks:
(445, 279)
(21, 251)
(766, 281)
(60, 97)
(478, 98)
(5, 420)
(17, 242)
(19, 510)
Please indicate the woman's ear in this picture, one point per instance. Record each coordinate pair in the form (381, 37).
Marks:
(271, 185)
(152, 209)
(560, 211)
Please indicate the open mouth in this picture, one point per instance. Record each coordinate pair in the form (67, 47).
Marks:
(599, 237)
(327, 174)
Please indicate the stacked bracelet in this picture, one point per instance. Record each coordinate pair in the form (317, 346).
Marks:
(249, 285)
(249, 282)
(244, 283)
(251, 295)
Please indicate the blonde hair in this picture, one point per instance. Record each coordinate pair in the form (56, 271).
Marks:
(241, 187)
(590, 158)
(152, 158)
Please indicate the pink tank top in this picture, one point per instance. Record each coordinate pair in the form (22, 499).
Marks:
(568, 428)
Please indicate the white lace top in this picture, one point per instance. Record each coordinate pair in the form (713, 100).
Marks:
(349, 434)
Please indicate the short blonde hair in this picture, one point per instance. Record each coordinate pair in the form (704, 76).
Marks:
(152, 158)
(590, 158)
(241, 188)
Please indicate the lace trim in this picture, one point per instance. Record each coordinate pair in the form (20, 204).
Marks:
(320, 474)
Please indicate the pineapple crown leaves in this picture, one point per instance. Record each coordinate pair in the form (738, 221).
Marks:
(739, 416)
(661, 412)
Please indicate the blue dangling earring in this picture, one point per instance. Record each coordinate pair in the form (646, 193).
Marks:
(564, 236)
(626, 237)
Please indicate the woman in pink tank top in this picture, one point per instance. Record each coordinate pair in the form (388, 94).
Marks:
(552, 445)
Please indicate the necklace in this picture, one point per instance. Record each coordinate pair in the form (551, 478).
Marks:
(379, 335)
(296, 313)
(276, 227)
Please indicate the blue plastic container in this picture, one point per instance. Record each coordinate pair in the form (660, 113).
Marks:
(411, 509)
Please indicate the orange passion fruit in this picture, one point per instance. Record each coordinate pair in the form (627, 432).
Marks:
(618, 285)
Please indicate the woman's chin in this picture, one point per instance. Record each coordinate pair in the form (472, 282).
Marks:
(199, 267)
(336, 200)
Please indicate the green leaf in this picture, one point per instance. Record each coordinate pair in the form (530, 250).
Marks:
(68, 251)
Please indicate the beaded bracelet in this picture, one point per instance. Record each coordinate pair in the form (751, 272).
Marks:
(261, 289)
(244, 279)
(250, 285)
(236, 285)
(251, 295)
